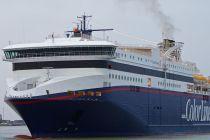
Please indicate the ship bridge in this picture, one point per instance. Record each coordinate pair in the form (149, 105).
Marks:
(78, 42)
(63, 48)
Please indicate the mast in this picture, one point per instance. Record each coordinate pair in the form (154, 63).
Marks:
(84, 31)
(83, 21)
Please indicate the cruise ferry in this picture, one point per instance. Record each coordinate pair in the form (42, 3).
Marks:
(80, 86)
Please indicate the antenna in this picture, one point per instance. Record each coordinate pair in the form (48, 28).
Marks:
(10, 42)
(83, 21)
(84, 31)
(3, 112)
(53, 37)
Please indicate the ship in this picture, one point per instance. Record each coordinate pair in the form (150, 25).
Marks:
(79, 86)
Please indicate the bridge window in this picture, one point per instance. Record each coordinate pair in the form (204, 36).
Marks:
(60, 51)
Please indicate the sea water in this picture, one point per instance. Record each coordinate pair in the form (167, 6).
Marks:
(9, 133)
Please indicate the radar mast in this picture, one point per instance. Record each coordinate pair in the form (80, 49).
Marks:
(83, 31)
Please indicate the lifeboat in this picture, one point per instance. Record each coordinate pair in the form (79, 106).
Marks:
(200, 77)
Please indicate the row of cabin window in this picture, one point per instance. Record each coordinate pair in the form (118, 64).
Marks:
(155, 62)
(140, 80)
(169, 85)
(179, 67)
(133, 57)
(127, 78)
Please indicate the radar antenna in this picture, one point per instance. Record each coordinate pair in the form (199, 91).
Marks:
(83, 21)
(83, 31)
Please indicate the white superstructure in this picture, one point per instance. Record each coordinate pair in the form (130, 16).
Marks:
(78, 62)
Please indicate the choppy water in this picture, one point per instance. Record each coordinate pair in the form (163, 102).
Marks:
(9, 133)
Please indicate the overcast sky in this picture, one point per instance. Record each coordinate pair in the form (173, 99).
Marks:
(32, 20)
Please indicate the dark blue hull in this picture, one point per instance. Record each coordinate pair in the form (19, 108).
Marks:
(119, 111)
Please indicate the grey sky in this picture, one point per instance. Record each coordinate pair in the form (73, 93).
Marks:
(29, 21)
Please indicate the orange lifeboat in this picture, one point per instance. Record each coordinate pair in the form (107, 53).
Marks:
(200, 77)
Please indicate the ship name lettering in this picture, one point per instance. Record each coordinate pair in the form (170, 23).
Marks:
(197, 112)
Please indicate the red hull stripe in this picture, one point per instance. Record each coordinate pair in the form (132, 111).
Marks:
(105, 91)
